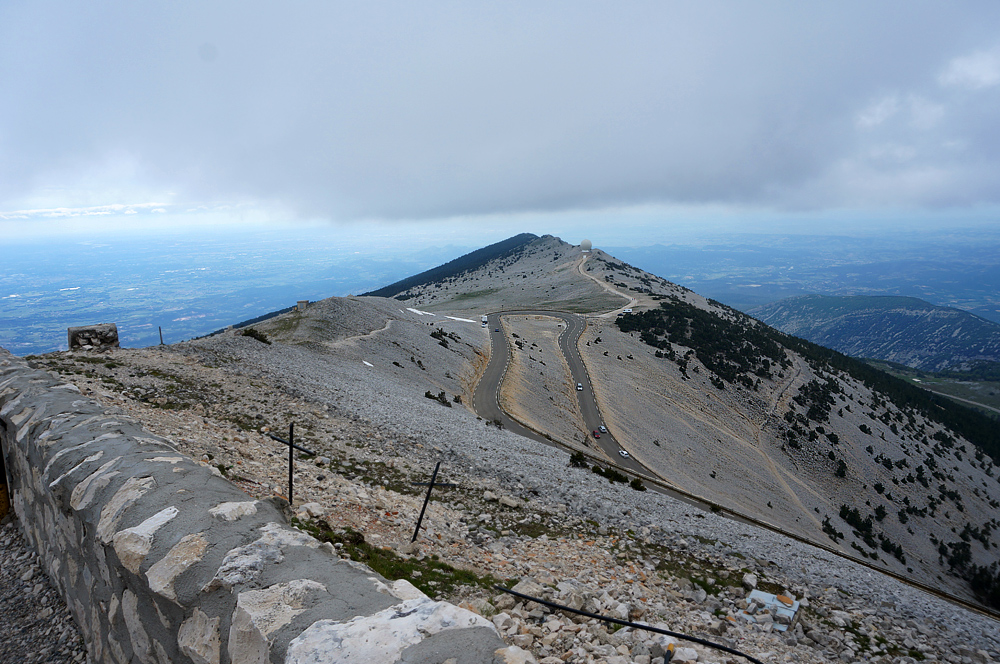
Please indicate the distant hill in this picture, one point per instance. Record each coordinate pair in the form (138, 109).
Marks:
(720, 406)
(905, 330)
(470, 261)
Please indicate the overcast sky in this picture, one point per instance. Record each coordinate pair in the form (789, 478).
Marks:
(347, 112)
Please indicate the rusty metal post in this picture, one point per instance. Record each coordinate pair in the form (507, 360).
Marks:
(430, 486)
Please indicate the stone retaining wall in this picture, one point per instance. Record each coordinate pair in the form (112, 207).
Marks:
(162, 561)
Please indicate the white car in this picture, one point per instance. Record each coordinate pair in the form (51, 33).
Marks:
(623, 454)
(579, 387)
(602, 429)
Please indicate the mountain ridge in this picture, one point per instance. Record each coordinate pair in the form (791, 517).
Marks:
(732, 445)
(899, 329)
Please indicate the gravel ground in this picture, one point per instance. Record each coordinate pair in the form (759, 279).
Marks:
(35, 625)
(389, 419)
(535, 471)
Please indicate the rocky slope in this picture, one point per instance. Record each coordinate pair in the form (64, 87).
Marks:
(905, 330)
(378, 388)
(519, 514)
(743, 417)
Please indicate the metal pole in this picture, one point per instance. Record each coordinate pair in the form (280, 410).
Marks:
(426, 500)
(291, 458)
(285, 442)
(160, 328)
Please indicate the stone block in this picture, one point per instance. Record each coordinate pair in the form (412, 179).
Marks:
(185, 553)
(381, 637)
(198, 637)
(133, 544)
(98, 337)
(260, 613)
(513, 655)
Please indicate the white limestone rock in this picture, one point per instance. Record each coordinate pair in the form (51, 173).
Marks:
(686, 655)
(141, 647)
(112, 513)
(405, 590)
(513, 655)
(245, 563)
(381, 637)
(84, 492)
(185, 553)
(314, 510)
(198, 637)
(93, 457)
(260, 613)
(133, 544)
(233, 511)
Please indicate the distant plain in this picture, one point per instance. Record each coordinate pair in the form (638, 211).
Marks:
(194, 284)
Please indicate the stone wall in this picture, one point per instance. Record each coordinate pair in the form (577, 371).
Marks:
(91, 337)
(162, 561)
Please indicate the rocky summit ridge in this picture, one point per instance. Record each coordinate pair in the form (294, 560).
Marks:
(380, 389)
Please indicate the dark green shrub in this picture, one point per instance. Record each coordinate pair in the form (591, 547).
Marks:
(254, 334)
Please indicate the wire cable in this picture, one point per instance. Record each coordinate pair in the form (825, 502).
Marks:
(626, 623)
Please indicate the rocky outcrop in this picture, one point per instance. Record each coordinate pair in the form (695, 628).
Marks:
(160, 559)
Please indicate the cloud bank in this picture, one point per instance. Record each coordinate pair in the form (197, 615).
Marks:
(422, 110)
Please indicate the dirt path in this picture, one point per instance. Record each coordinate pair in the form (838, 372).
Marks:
(353, 340)
(632, 301)
(776, 472)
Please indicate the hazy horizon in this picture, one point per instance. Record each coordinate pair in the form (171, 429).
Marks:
(192, 283)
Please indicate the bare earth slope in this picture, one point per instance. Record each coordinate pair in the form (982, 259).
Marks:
(863, 475)
(356, 373)
(538, 373)
(614, 549)
(542, 274)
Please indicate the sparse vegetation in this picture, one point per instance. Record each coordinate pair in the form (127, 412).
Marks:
(433, 576)
(440, 397)
(254, 334)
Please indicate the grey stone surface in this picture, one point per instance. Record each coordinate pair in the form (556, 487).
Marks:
(160, 559)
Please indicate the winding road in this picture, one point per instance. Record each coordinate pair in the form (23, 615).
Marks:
(486, 404)
(486, 400)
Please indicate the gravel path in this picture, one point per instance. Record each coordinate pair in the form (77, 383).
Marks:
(35, 625)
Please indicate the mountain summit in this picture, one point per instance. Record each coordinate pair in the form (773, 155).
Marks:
(691, 398)
(715, 404)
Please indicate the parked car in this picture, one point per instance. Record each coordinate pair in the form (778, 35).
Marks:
(602, 429)
(596, 435)
(623, 453)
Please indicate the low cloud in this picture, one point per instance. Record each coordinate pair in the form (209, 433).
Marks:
(404, 111)
(975, 71)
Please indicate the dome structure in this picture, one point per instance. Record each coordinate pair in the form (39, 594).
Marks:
(586, 245)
